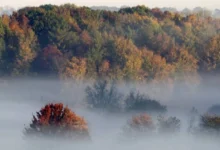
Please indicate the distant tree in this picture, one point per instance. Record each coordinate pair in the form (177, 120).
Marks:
(75, 69)
(139, 126)
(139, 102)
(211, 54)
(2, 41)
(47, 25)
(49, 61)
(193, 119)
(104, 96)
(210, 125)
(128, 57)
(169, 125)
(96, 53)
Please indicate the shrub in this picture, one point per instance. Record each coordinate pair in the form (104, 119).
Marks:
(57, 121)
(169, 125)
(103, 95)
(210, 124)
(141, 125)
(140, 102)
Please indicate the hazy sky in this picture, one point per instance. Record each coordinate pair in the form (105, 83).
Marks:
(180, 4)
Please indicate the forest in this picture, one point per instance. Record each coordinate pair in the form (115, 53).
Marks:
(134, 43)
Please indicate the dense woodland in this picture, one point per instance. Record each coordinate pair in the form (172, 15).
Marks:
(135, 43)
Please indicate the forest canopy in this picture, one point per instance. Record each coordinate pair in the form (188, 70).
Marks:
(136, 43)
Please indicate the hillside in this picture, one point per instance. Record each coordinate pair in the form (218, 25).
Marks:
(135, 43)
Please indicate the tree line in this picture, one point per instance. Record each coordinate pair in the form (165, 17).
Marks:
(134, 43)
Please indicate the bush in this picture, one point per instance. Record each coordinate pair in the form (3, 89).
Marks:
(169, 125)
(57, 121)
(103, 95)
(140, 102)
(210, 124)
(141, 125)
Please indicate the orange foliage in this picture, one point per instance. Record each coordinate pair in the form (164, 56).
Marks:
(138, 126)
(50, 51)
(55, 120)
(5, 20)
(14, 26)
(75, 69)
(141, 120)
(104, 66)
(86, 38)
(156, 66)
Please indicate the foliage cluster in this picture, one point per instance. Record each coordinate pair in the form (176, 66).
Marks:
(57, 121)
(143, 126)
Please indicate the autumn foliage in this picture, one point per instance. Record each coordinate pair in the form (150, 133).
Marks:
(57, 121)
(210, 123)
(133, 43)
(139, 126)
(141, 121)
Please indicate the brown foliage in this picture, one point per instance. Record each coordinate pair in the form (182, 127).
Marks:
(169, 125)
(210, 122)
(86, 39)
(50, 59)
(55, 120)
(141, 120)
(75, 69)
(140, 125)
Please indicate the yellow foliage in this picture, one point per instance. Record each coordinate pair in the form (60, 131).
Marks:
(75, 69)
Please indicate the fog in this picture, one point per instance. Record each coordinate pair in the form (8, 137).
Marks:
(22, 98)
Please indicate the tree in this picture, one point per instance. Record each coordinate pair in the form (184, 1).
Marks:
(211, 60)
(139, 126)
(57, 121)
(139, 102)
(193, 119)
(2, 41)
(49, 61)
(169, 125)
(95, 54)
(129, 58)
(210, 124)
(47, 25)
(103, 95)
(75, 69)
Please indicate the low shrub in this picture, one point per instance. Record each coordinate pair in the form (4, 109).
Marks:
(139, 126)
(169, 125)
(210, 124)
(140, 102)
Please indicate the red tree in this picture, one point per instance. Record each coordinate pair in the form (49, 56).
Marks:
(57, 121)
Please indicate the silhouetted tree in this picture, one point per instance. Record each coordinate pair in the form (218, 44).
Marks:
(169, 125)
(193, 119)
(140, 102)
(103, 95)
